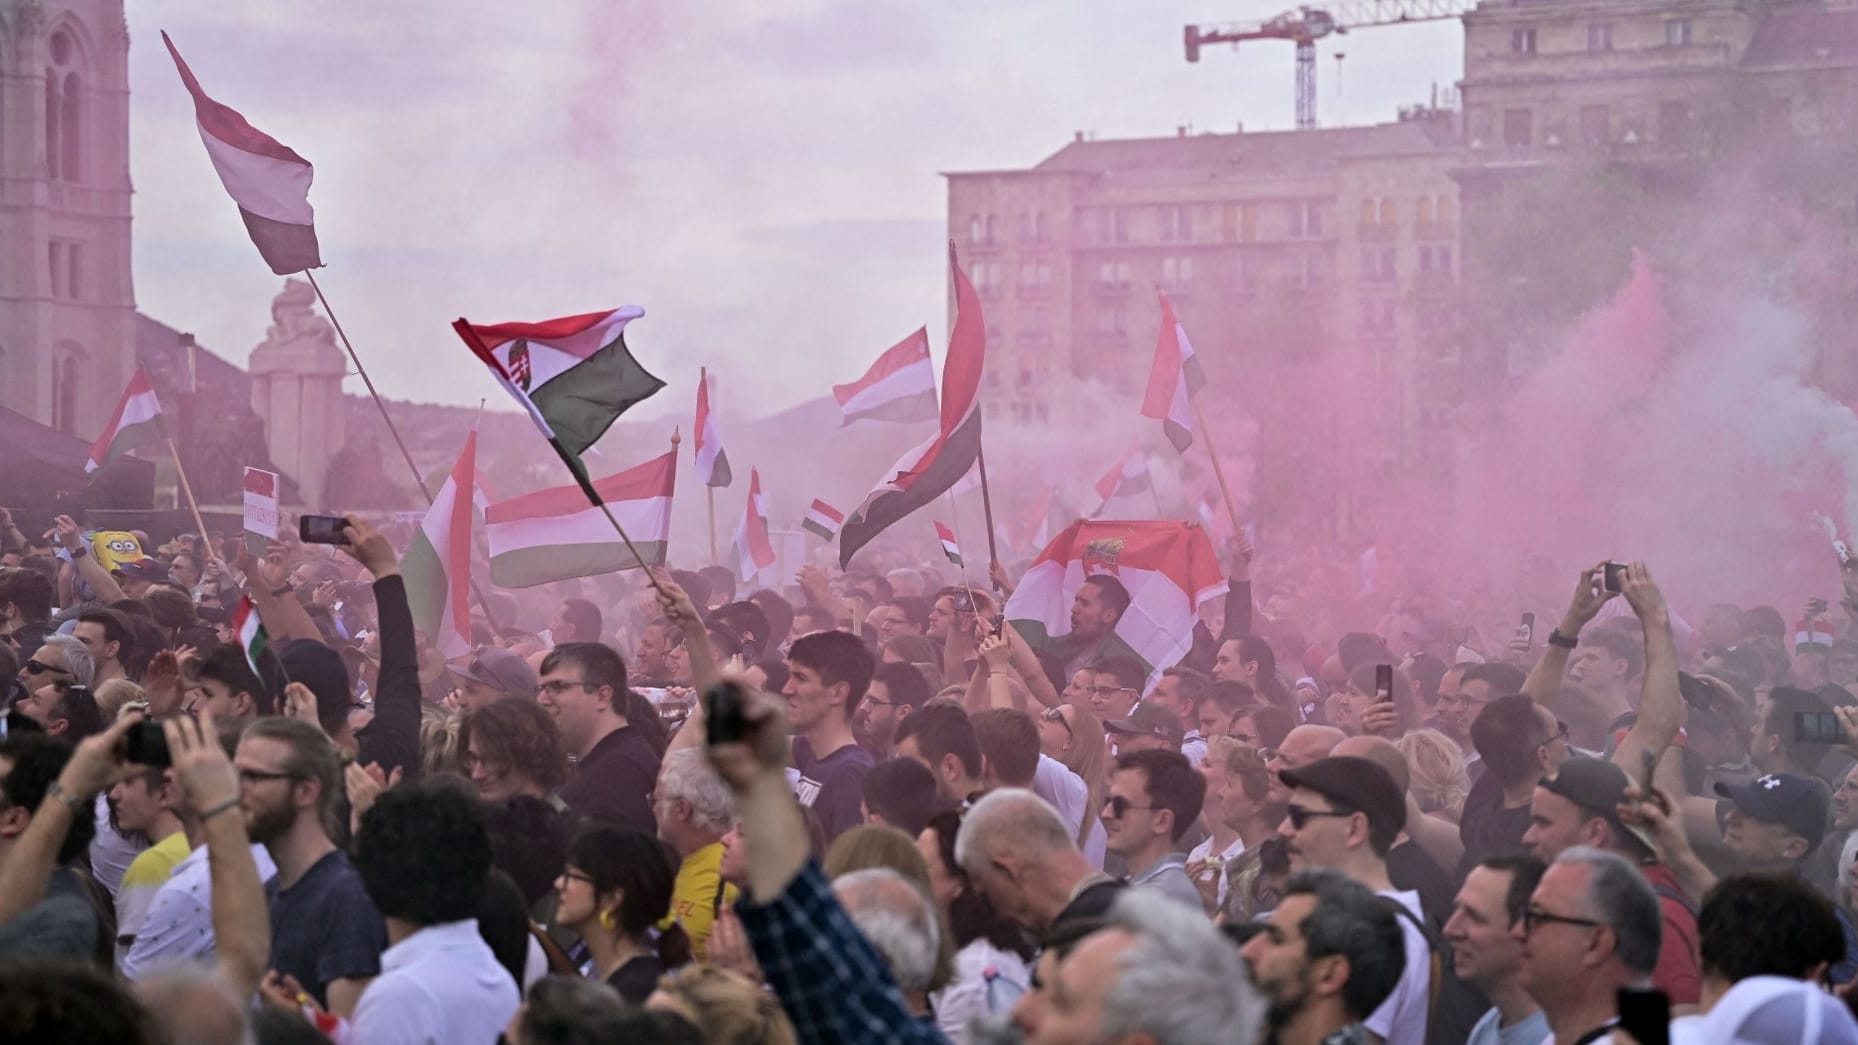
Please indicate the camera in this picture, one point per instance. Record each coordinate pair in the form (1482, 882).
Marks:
(322, 529)
(725, 713)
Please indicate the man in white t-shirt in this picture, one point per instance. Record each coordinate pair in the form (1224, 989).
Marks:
(1593, 926)
(1010, 757)
(1344, 814)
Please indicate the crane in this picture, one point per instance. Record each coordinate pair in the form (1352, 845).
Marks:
(1304, 26)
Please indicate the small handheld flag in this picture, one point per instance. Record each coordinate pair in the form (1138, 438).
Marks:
(251, 633)
(949, 547)
(823, 519)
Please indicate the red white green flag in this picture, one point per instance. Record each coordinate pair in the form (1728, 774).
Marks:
(949, 546)
(437, 565)
(1127, 478)
(1174, 379)
(136, 422)
(712, 463)
(900, 386)
(551, 535)
(1168, 568)
(574, 375)
(754, 552)
(251, 633)
(823, 519)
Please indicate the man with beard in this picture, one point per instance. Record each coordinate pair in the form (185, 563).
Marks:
(1099, 604)
(896, 690)
(1329, 955)
(325, 932)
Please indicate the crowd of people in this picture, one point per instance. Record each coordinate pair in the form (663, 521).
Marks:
(864, 808)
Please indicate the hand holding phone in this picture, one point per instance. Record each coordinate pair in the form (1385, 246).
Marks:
(1613, 577)
(322, 529)
(1383, 683)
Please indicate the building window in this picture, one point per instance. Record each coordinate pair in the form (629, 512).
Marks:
(1025, 227)
(987, 232)
(1122, 226)
(64, 111)
(74, 278)
(1522, 41)
(974, 230)
(1039, 233)
(1370, 215)
(1306, 219)
(1518, 128)
(1164, 218)
(55, 266)
(1184, 223)
(1673, 122)
(1177, 271)
(1423, 212)
(1596, 124)
(1677, 32)
(1390, 217)
(1445, 211)
(67, 374)
(1600, 37)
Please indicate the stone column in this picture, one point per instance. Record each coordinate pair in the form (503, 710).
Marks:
(297, 376)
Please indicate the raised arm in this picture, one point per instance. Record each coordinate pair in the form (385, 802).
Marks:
(284, 617)
(1238, 591)
(241, 926)
(68, 534)
(1544, 680)
(818, 589)
(1661, 706)
(391, 738)
(92, 768)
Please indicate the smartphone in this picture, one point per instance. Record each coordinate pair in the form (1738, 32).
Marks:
(1645, 1014)
(322, 529)
(1816, 727)
(999, 624)
(1694, 692)
(1383, 682)
(148, 745)
(1526, 631)
(725, 714)
(1615, 576)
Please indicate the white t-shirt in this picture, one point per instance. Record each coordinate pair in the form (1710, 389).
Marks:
(1401, 1019)
(1065, 791)
(1204, 850)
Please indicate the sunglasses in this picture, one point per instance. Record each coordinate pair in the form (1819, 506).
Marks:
(1118, 805)
(1300, 817)
(1057, 715)
(34, 666)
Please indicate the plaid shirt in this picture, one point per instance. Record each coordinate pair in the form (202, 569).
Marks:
(833, 985)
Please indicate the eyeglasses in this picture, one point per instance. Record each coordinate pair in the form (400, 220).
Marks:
(260, 776)
(1300, 817)
(35, 666)
(575, 876)
(1118, 805)
(1057, 715)
(1535, 916)
(560, 686)
(1561, 733)
(1104, 691)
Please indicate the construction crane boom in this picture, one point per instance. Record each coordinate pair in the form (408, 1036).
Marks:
(1304, 26)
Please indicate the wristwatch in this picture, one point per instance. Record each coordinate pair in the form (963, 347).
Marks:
(1556, 638)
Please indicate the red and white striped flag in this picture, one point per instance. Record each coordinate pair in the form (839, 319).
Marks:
(823, 519)
(136, 422)
(1127, 478)
(1813, 634)
(1173, 380)
(949, 547)
(753, 551)
(900, 386)
(437, 564)
(269, 181)
(712, 463)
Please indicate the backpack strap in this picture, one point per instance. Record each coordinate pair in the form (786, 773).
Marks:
(1437, 978)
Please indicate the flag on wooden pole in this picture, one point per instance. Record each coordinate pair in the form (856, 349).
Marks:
(823, 519)
(712, 463)
(1173, 380)
(949, 547)
(900, 386)
(753, 551)
(267, 179)
(136, 422)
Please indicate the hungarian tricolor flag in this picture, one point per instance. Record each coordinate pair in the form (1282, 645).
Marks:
(251, 633)
(900, 386)
(551, 535)
(928, 470)
(1127, 478)
(1168, 569)
(267, 179)
(136, 422)
(823, 519)
(437, 565)
(1812, 635)
(753, 551)
(1174, 379)
(712, 463)
(574, 374)
(949, 547)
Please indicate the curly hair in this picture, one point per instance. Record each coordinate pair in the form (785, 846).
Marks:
(729, 1008)
(423, 852)
(439, 750)
(518, 735)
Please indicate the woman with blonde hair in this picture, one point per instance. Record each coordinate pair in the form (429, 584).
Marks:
(727, 1007)
(1436, 765)
(1073, 735)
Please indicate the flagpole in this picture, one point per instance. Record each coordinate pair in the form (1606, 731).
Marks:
(186, 487)
(987, 509)
(709, 495)
(675, 439)
(1219, 473)
(379, 404)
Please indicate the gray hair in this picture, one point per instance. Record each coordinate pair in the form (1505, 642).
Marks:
(1009, 813)
(1182, 983)
(1625, 902)
(568, 1010)
(898, 920)
(192, 1003)
(77, 657)
(687, 775)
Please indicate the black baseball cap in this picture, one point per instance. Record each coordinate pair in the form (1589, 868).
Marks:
(1359, 785)
(1591, 783)
(1149, 720)
(1795, 803)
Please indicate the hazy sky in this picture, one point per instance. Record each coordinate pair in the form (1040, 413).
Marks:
(762, 176)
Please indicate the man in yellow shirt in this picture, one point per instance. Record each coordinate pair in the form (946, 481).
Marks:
(694, 811)
(144, 803)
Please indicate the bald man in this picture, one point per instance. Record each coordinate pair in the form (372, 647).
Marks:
(1301, 746)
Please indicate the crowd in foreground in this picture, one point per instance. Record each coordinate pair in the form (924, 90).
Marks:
(865, 811)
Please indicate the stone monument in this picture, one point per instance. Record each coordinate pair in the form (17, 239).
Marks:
(297, 376)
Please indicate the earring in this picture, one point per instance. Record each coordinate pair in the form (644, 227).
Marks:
(606, 920)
